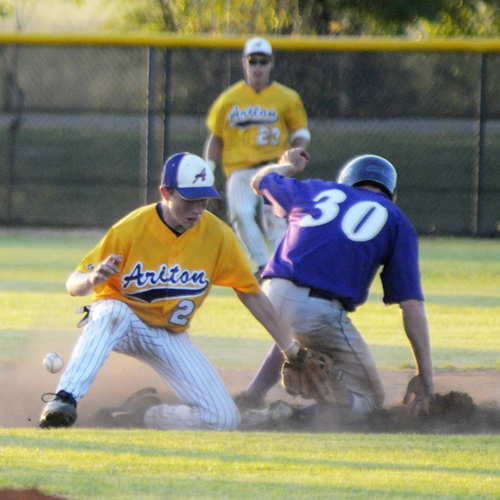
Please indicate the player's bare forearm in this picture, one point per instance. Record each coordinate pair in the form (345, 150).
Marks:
(292, 162)
(417, 329)
(262, 309)
(80, 284)
(300, 142)
(420, 390)
(213, 150)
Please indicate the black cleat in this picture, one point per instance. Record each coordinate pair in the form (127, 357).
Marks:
(59, 412)
(131, 413)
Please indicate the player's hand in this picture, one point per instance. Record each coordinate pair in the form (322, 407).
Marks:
(296, 158)
(105, 269)
(418, 396)
(292, 162)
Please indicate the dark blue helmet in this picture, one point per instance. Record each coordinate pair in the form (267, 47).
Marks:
(372, 169)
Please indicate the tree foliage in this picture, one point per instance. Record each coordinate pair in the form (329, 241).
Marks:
(312, 17)
(23, 9)
(427, 17)
(410, 18)
(207, 16)
(6, 9)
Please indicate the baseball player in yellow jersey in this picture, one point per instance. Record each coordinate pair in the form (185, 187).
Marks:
(150, 274)
(251, 124)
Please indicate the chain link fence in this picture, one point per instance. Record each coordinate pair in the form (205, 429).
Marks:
(85, 128)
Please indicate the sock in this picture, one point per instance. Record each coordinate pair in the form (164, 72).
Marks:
(269, 374)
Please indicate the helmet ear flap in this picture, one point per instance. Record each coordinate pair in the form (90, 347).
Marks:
(370, 169)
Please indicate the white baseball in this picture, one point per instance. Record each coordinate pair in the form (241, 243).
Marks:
(53, 362)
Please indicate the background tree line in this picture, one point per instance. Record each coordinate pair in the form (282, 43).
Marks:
(406, 18)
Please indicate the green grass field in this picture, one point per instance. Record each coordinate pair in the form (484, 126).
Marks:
(461, 282)
(201, 465)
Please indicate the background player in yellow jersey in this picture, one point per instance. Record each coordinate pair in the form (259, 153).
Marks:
(150, 274)
(251, 124)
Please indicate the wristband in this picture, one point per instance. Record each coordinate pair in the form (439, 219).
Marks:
(292, 351)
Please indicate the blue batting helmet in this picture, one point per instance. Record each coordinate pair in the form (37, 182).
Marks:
(371, 169)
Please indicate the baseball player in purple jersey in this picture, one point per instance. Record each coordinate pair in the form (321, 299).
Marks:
(150, 274)
(339, 235)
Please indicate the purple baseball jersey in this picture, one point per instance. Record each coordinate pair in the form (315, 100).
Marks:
(338, 237)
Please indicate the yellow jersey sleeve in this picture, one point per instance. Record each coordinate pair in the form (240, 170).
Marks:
(232, 269)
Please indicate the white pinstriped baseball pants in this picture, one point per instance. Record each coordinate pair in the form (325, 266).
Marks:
(114, 327)
(252, 220)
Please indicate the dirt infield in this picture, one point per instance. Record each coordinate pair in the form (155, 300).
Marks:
(31, 494)
(21, 387)
(472, 408)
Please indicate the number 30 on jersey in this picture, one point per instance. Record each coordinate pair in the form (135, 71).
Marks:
(362, 222)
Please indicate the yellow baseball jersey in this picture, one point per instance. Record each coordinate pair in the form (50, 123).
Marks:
(255, 126)
(165, 278)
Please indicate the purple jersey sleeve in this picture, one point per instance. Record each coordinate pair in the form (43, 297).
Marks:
(400, 275)
(339, 237)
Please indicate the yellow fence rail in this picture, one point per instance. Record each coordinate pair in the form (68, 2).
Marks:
(236, 43)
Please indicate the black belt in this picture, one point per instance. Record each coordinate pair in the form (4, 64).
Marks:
(321, 294)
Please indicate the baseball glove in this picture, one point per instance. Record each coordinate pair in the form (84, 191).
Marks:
(313, 375)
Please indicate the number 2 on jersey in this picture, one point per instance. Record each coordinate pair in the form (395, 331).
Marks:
(184, 309)
(362, 222)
